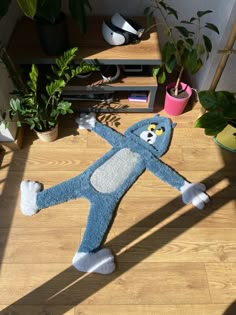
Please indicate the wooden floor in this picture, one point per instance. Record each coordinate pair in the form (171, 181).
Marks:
(172, 259)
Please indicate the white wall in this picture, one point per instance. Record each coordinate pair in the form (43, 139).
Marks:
(7, 24)
(6, 88)
(127, 7)
(227, 79)
(222, 12)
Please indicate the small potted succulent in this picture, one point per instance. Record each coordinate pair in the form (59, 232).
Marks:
(51, 21)
(219, 120)
(186, 48)
(41, 104)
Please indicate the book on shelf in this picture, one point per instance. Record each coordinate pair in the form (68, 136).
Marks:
(138, 97)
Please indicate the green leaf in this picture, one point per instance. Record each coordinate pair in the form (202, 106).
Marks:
(34, 78)
(221, 101)
(227, 103)
(59, 64)
(15, 104)
(191, 60)
(209, 100)
(28, 7)
(200, 49)
(167, 51)
(163, 5)
(147, 11)
(193, 19)
(49, 10)
(197, 66)
(156, 70)
(4, 6)
(189, 41)
(183, 31)
(54, 69)
(186, 22)
(162, 77)
(180, 44)
(213, 122)
(201, 13)
(171, 11)
(171, 64)
(54, 87)
(79, 13)
(212, 27)
(207, 43)
(149, 15)
(64, 61)
(65, 105)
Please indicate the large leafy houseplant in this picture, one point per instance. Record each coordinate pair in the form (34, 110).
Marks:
(50, 20)
(49, 10)
(187, 46)
(219, 120)
(220, 109)
(41, 104)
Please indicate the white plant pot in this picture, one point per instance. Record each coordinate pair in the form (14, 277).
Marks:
(8, 134)
(48, 136)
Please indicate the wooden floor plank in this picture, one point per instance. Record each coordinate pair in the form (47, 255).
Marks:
(222, 281)
(128, 284)
(37, 310)
(207, 309)
(171, 258)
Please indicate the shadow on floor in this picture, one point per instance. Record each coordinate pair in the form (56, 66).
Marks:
(70, 287)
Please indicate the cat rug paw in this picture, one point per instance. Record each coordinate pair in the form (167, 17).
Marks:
(101, 261)
(29, 190)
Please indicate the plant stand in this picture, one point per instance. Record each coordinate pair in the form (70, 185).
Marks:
(17, 143)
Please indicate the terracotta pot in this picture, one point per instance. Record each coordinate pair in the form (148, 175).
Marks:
(48, 136)
(175, 106)
(227, 138)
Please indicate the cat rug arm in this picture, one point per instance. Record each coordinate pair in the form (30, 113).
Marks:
(191, 192)
(89, 122)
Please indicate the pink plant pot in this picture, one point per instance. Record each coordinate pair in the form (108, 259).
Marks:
(175, 106)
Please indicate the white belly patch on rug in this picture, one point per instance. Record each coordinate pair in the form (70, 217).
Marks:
(113, 173)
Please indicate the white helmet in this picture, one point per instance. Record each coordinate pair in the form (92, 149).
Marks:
(121, 30)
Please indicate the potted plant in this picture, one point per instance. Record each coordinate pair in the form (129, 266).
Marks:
(219, 120)
(186, 48)
(51, 21)
(41, 104)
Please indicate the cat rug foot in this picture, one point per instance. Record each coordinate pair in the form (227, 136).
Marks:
(99, 262)
(29, 190)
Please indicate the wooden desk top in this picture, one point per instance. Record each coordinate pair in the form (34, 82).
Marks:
(24, 46)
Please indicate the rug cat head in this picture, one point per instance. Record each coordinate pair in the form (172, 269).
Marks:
(152, 133)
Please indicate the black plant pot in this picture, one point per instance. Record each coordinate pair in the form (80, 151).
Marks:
(53, 37)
